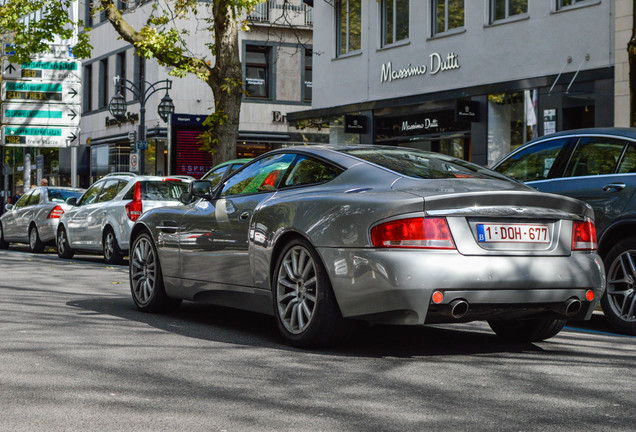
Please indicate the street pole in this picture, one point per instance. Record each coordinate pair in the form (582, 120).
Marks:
(141, 135)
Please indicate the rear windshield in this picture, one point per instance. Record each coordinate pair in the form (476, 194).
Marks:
(162, 190)
(61, 195)
(421, 164)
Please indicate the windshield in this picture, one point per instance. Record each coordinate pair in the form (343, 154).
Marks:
(420, 164)
(61, 195)
(162, 190)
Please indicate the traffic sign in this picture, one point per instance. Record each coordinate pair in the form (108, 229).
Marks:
(47, 70)
(141, 145)
(25, 114)
(134, 162)
(17, 136)
(40, 92)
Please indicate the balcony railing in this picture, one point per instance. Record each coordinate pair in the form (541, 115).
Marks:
(282, 12)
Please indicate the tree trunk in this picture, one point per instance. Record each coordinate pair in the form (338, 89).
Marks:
(226, 79)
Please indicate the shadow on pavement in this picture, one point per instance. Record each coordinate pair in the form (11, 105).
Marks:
(225, 325)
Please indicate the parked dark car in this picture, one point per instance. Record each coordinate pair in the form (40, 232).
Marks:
(597, 166)
(320, 236)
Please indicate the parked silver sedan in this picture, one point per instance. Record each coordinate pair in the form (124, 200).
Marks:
(34, 218)
(324, 236)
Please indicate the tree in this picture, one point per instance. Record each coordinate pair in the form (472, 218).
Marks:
(161, 38)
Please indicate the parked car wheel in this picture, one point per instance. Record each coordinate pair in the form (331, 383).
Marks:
(3, 244)
(146, 279)
(619, 300)
(305, 306)
(35, 244)
(532, 330)
(112, 253)
(64, 249)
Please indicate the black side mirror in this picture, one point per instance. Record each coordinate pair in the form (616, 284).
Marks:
(201, 189)
(72, 201)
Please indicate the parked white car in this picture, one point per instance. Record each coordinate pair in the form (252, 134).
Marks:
(34, 218)
(100, 221)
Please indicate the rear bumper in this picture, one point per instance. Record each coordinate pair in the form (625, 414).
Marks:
(396, 286)
(47, 230)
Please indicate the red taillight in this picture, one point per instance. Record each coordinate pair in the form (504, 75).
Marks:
(172, 180)
(56, 213)
(420, 233)
(584, 235)
(134, 208)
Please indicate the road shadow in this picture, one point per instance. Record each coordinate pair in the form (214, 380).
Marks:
(226, 325)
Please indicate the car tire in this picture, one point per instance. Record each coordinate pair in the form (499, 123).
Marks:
(64, 249)
(619, 300)
(146, 279)
(531, 330)
(3, 244)
(35, 244)
(112, 253)
(305, 306)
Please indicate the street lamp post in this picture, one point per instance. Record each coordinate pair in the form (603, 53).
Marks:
(142, 91)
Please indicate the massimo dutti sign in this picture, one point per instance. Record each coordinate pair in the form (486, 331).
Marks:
(437, 64)
(429, 123)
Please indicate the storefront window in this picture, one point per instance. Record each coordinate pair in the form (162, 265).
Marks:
(511, 122)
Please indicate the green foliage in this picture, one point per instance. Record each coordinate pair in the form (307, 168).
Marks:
(34, 36)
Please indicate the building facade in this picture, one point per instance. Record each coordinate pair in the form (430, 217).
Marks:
(474, 79)
(276, 57)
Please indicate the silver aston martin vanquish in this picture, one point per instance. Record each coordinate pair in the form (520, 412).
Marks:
(323, 236)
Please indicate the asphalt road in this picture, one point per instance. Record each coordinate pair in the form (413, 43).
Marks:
(75, 355)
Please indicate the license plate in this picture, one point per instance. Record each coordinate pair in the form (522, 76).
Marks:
(513, 233)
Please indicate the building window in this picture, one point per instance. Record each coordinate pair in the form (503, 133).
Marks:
(307, 80)
(103, 83)
(139, 72)
(257, 71)
(88, 88)
(395, 21)
(502, 9)
(88, 14)
(565, 3)
(348, 26)
(120, 67)
(447, 15)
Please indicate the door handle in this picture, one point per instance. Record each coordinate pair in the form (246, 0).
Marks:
(245, 216)
(614, 187)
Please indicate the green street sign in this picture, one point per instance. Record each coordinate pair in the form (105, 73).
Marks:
(27, 91)
(47, 70)
(17, 136)
(26, 114)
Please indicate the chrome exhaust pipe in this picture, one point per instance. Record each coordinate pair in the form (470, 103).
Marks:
(571, 307)
(459, 308)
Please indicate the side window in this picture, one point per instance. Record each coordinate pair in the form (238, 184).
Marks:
(122, 184)
(533, 163)
(90, 195)
(216, 175)
(35, 197)
(24, 200)
(262, 176)
(628, 164)
(109, 191)
(308, 171)
(595, 156)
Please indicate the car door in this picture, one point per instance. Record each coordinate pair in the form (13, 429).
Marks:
(601, 172)
(97, 215)
(29, 213)
(213, 241)
(12, 223)
(79, 217)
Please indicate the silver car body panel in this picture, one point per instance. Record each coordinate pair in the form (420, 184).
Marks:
(16, 222)
(213, 251)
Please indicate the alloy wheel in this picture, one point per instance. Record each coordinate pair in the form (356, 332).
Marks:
(143, 271)
(621, 286)
(297, 290)
(61, 241)
(109, 246)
